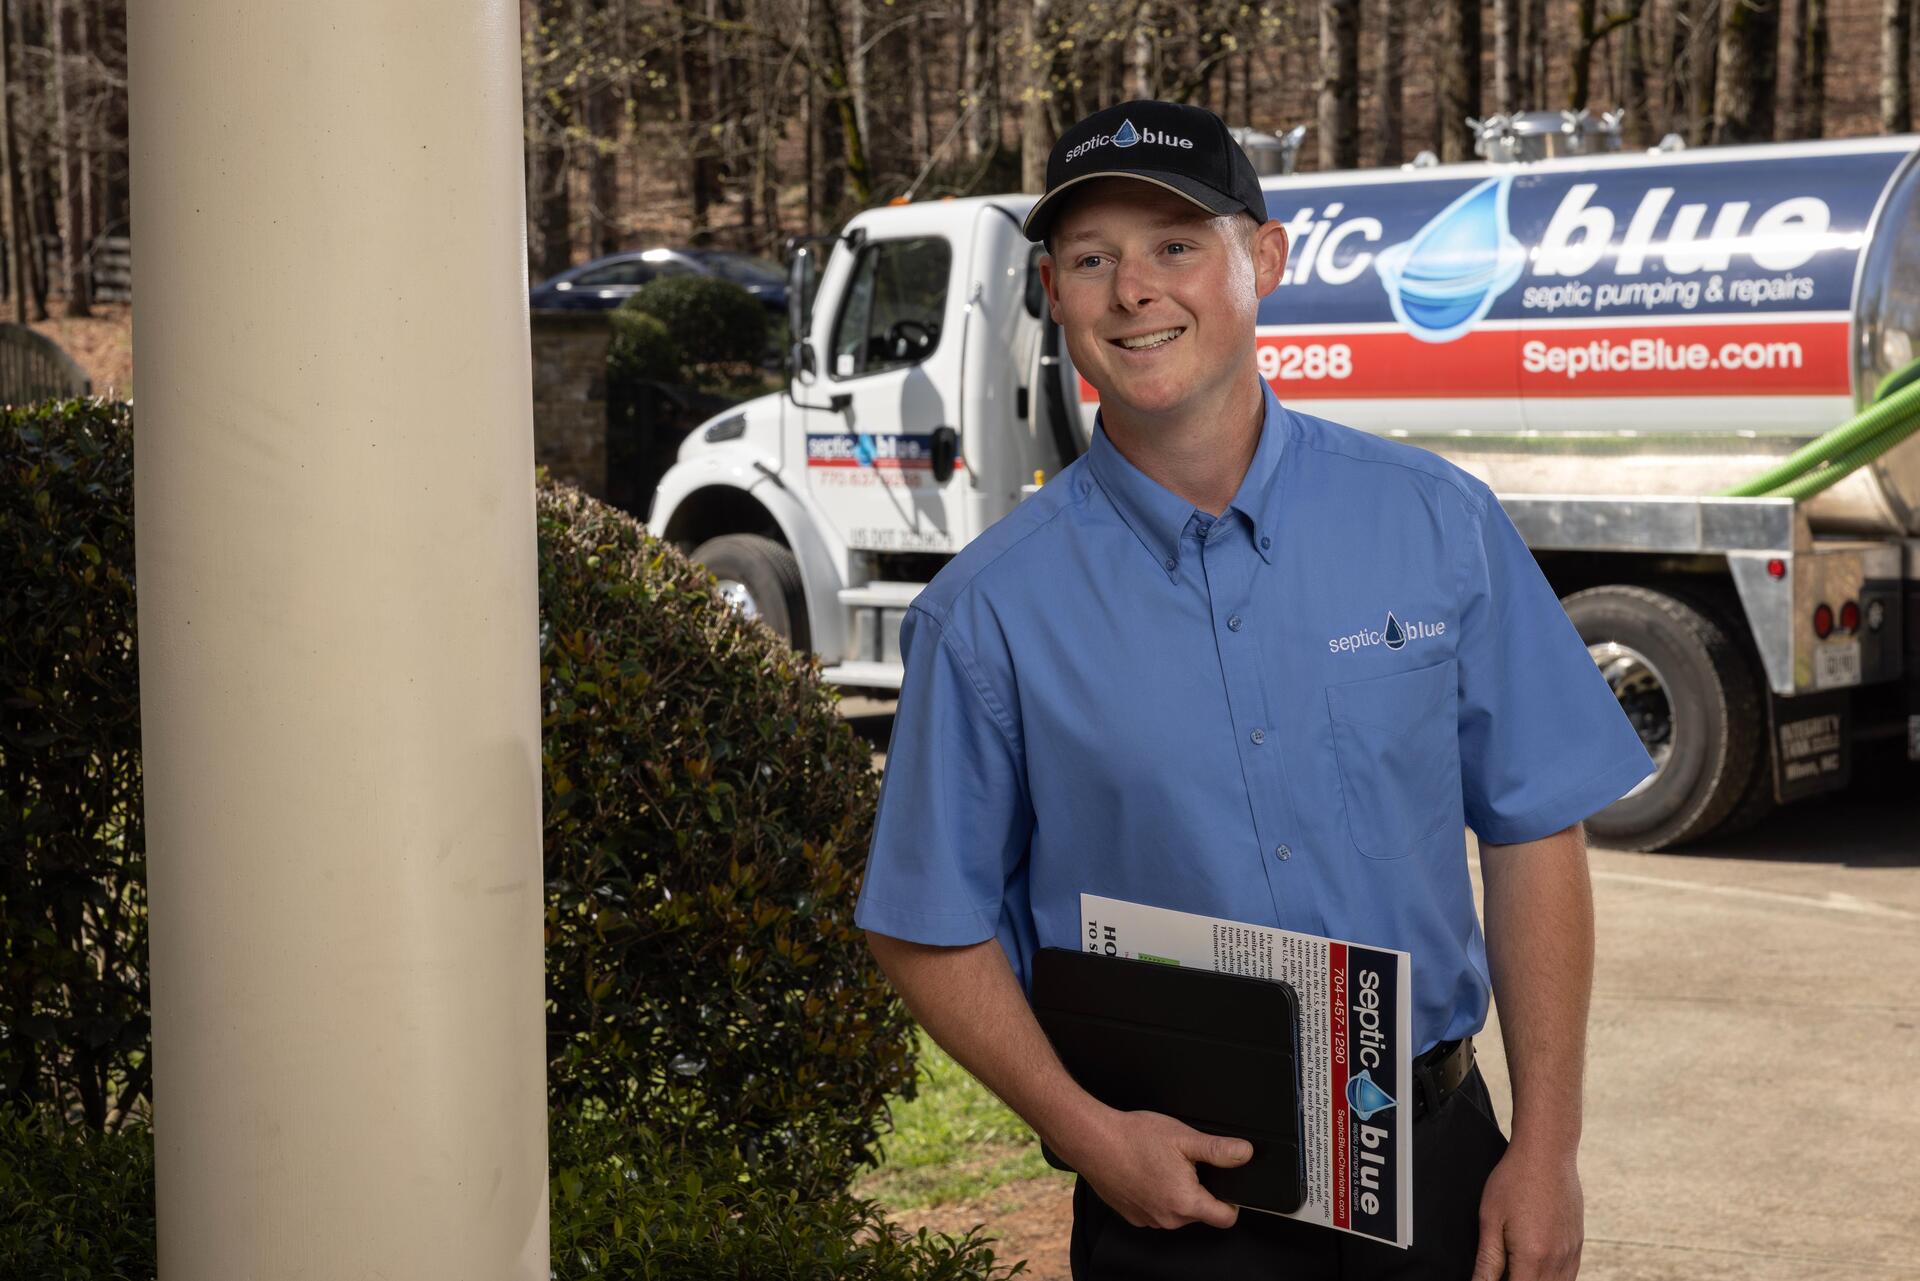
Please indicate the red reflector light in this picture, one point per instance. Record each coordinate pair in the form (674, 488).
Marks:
(1850, 617)
(1776, 568)
(1822, 621)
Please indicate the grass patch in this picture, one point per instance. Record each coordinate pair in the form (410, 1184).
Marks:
(955, 1142)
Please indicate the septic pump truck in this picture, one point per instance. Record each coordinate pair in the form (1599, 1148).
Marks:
(1692, 379)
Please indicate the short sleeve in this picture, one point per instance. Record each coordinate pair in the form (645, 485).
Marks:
(954, 817)
(1543, 741)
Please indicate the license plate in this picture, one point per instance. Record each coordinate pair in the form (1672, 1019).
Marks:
(1836, 663)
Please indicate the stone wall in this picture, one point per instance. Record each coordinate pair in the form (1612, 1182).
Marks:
(570, 396)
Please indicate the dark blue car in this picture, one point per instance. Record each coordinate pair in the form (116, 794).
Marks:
(605, 283)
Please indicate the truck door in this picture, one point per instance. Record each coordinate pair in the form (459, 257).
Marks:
(889, 354)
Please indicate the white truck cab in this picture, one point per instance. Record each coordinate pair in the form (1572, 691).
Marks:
(910, 426)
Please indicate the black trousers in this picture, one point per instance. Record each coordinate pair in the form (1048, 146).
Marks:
(1454, 1149)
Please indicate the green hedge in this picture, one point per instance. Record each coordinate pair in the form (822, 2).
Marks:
(75, 1204)
(79, 1206)
(708, 813)
(712, 321)
(73, 921)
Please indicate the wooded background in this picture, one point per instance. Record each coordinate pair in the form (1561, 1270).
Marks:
(735, 123)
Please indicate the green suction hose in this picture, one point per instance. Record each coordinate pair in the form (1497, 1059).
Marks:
(1891, 418)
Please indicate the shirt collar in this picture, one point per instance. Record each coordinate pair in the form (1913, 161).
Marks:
(1158, 516)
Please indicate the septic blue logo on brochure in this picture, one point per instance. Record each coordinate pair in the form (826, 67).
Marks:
(1366, 1098)
(1444, 279)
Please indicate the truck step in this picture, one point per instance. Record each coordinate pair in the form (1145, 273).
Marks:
(884, 594)
(876, 675)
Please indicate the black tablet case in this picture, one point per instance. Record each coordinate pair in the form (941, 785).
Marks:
(1220, 1052)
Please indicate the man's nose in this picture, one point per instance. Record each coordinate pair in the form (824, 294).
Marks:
(1134, 285)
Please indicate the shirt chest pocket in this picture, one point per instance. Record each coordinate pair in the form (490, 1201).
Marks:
(1397, 748)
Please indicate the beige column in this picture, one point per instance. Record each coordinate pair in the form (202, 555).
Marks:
(338, 639)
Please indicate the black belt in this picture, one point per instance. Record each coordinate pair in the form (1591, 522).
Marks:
(1439, 1072)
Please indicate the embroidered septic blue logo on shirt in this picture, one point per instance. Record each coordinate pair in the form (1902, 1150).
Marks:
(1393, 634)
(1366, 1098)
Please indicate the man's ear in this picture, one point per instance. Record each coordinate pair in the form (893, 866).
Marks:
(1269, 249)
(1047, 283)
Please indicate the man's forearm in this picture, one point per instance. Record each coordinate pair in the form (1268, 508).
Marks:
(970, 1003)
(1539, 927)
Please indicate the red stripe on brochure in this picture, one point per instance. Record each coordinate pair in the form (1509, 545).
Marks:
(1741, 358)
(1337, 1081)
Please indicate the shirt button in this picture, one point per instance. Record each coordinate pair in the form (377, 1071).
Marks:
(1265, 542)
(1258, 736)
(1282, 853)
(1233, 624)
(1171, 562)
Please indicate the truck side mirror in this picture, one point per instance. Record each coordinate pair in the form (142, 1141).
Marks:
(946, 451)
(805, 257)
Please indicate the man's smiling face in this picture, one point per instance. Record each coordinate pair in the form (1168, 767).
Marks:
(1157, 297)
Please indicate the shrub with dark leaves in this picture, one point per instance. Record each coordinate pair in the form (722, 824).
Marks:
(707, 818)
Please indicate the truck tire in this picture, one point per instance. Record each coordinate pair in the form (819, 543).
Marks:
(1690, 690)
(760, 578)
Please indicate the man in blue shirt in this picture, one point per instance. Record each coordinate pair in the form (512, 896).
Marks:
(1247, 663)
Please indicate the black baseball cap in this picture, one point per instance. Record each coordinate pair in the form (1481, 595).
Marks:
(1187, 150)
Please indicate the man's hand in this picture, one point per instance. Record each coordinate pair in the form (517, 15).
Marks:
(1531, 1218)
(1142, 1164)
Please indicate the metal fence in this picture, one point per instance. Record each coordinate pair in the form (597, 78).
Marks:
(32, 367)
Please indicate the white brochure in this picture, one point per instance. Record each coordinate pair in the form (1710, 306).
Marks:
(1355, 1048)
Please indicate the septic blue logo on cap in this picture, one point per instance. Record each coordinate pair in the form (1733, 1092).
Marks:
(1445, 279)
(1366, 1098)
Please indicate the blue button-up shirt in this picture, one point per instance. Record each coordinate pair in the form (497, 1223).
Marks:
(1286, 714)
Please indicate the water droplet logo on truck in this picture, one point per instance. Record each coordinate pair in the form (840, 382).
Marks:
(1444, 279)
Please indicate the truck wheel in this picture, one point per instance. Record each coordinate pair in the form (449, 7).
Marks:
(1690, 691)
(761, 579)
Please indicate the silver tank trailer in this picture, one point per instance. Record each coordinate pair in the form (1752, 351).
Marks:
(1658, 323)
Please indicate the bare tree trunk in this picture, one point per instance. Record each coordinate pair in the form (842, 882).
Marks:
(1390, 91)
(1459, 76)
(1140, 57)
(66, 43)
(982, 130)
(856, 172)
(1589, 30)
(857, 65)
(718, 108)
(1637, 128)
(1506, 57)
(40, 214)
(1673, 95)
(1533, 55)
(1896, 95)
(919, 123)
(1339, 84)
(89, 200)
(1810, 70)
(1743, 100)
(10, 143)
(1037, 134)
(1703, 62)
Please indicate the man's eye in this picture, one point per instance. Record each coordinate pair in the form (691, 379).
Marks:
(1178, 244)
(1084, 259)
